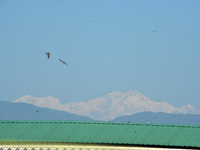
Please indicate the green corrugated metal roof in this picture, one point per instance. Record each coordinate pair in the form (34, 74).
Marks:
(101, 133)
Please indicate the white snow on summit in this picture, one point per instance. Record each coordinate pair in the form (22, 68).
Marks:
(113, 105)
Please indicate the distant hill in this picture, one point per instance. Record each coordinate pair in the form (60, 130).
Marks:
(23, 111)
(112, 105)
(160, 118)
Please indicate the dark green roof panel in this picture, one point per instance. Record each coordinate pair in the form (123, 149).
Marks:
(101, 133)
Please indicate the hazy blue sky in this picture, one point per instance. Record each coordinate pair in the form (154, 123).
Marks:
(149, 46)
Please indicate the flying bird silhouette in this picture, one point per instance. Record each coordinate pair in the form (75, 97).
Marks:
(91, 21)
(63, 62)
(48, 54)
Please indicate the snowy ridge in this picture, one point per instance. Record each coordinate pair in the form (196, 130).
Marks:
(113, 105)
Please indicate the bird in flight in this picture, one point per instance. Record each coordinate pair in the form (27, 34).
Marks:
(48, 54)
(91, 21)
(63, 62)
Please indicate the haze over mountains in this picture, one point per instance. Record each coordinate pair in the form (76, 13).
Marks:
(111, 106)
(160, 118)
(23, 111)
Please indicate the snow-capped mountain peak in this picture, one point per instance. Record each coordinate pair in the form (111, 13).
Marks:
(112, 105)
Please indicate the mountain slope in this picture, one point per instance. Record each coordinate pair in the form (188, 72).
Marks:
(160, 118)
(22, 111)
(109, 107)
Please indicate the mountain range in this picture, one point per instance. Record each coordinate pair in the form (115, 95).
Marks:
(23, 111)
(160, 118)
(109, 107)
